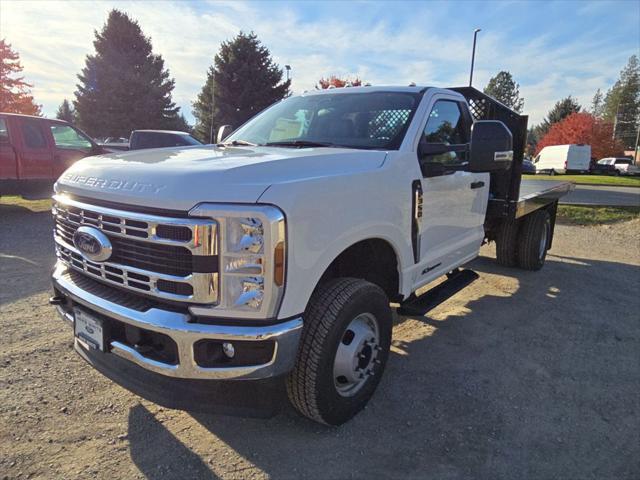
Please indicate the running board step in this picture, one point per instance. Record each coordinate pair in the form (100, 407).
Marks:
(456, 281)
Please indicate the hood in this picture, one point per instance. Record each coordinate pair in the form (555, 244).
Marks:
(179, 178)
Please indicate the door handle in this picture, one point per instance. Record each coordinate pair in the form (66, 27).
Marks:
(478, 184)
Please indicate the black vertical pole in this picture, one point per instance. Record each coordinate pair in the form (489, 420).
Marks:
(473, 55)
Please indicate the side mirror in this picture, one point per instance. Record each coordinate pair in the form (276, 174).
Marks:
(491, 147)
(425, 150)
(223, 132)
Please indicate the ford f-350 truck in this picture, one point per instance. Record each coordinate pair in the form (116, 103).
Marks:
(215, 278)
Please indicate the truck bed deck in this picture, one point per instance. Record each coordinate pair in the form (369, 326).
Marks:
(535, 194)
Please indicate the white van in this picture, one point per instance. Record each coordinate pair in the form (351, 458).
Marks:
(563, 158)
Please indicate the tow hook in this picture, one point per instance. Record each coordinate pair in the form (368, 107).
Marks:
(56, 300)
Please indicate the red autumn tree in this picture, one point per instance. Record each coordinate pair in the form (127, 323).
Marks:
(583, 128)
(337, 82)
(15, 93)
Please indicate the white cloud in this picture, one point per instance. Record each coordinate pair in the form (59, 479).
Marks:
(188, 35)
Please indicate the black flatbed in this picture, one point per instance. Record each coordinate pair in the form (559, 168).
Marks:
(535, 194)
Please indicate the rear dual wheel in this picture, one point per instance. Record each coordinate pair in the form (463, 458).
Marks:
(524, 243)
(343, 351)
(533, 240)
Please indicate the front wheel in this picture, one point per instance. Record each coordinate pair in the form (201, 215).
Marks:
(343, 351)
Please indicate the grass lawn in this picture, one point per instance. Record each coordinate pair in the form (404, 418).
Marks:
(33, 205)
(577, 215)
(589, 179)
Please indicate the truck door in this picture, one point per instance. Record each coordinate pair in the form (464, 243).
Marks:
(454, 200)
(70, 146)
(35, 158)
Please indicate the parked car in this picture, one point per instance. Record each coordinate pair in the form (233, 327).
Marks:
(210, 279)
(528, 167)
(598, 168)
(621, 165)
(563, 159)
(34, 151)
(143, 139)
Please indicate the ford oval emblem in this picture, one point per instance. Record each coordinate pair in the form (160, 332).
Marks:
(92, 244)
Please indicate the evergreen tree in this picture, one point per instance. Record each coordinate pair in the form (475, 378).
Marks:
(561, 110)
(182, 125)
(597, 104)
(15, 93)
(124, 85)
(66, 112)
(242, 81)
(622, 103)
(503, 88)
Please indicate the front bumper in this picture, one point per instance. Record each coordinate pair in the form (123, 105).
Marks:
(285, 336)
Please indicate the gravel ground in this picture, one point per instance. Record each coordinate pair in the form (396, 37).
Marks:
(521, 375)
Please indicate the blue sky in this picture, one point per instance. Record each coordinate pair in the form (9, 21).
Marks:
(553, 49)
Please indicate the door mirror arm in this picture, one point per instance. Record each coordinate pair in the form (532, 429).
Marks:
(435, 169)
(223, 132)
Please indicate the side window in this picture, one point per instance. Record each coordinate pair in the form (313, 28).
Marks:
(33, 136)
(447, 125)
(4, 133)
(68, 137)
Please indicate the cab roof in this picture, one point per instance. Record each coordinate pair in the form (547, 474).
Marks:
(367, 89)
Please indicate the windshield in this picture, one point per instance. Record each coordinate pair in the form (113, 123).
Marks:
(372, 120)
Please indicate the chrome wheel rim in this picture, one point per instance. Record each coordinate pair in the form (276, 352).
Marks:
(357, 355)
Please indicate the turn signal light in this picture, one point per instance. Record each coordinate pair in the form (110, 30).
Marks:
(278, 264)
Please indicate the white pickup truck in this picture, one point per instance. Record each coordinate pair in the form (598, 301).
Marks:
(222, 278)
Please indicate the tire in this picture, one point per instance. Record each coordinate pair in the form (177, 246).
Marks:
(313, 387)
(534, 240)
(506, 244)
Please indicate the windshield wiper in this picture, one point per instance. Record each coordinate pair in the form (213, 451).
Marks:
(302, 144)
(236, 143)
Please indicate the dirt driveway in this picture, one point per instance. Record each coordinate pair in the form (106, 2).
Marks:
(522, 375)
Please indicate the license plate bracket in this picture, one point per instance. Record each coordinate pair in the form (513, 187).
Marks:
(89, 329)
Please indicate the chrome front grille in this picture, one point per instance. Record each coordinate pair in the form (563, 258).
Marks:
(171, 258)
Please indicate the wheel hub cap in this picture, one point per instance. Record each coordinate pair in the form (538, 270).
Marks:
(357, 355)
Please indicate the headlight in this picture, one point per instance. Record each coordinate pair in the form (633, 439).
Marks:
(252, 260)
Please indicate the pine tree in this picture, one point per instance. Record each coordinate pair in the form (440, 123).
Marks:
(503, 88)
(15, 93)
(597, 104)
(243, 81)
(182, 125)
(561, 110)
(66, 112)
(622, 103)
(124, 85)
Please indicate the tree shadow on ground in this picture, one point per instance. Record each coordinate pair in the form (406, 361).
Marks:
(539, 380)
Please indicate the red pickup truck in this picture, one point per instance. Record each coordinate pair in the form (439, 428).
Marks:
(34, 152)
